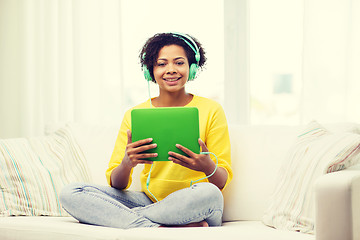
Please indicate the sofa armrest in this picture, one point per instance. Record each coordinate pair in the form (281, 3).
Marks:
(338, 206)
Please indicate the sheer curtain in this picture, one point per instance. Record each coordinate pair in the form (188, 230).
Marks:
(58, 61)
(331, 60)
(320, 63)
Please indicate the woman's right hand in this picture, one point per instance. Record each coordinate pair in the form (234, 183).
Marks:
(134, 155)
(134, 152)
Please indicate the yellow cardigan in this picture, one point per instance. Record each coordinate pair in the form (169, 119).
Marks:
(167, 177)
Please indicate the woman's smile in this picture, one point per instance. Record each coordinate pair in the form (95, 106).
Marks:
(172, 81)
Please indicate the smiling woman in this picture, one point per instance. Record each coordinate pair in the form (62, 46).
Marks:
(177, 199)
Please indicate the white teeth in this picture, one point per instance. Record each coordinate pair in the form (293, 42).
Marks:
(171, 80)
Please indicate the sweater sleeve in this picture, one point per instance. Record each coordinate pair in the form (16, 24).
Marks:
(119, 149)
(218, 140)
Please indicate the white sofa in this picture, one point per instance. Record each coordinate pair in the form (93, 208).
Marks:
(257, 154)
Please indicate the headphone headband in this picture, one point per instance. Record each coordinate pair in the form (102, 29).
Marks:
(193, 46)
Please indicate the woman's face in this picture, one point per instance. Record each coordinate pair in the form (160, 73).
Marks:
(171, 70)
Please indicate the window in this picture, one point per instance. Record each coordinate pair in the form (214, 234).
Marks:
(275, 60)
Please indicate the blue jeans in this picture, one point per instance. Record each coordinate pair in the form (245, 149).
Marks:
(107, 206)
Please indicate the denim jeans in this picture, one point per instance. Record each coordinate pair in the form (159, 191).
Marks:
(107, 206)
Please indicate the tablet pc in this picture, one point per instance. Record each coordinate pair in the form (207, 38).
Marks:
(167, 126)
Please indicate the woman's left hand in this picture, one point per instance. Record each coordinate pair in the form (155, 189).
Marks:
(197, 162)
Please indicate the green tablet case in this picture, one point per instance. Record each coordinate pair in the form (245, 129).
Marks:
(167, 126)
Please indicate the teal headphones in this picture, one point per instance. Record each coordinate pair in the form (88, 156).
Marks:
(193, 67)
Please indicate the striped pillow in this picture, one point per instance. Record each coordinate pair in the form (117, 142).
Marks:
(316, 152)
(34, 170)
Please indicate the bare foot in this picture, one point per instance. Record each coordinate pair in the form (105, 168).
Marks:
(197, 224)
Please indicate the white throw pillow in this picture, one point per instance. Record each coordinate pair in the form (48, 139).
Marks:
(315, 152)
(34, 170)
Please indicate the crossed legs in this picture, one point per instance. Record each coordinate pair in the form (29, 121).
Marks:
(199, 205)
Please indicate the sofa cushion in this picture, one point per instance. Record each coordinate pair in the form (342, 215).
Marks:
(257, 153)
(34, 170)
(316, 151)
(97, 143)
(60, 228)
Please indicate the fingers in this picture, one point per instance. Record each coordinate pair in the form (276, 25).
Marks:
(194, 161)
(136, 151)
(146, 156)
(143, 148)
(129, 136)
(134, 157)
(190, 153)
(180, 159)
(176, 156)
(137, 143)
(203, 146)
(144, 162)
(143, 142)
(186, 150)
(185, 161)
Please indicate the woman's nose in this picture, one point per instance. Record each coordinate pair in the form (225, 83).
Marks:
(171, 69)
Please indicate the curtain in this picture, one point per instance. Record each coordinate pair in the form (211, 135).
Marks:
(331, 60)
(321, 51)
(58, 61)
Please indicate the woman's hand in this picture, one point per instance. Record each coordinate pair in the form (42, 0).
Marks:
(133, 156)
(200, 162)
(197, 162)
(134, 152)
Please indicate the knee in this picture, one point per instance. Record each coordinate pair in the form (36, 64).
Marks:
(210, 193)
(67, 193)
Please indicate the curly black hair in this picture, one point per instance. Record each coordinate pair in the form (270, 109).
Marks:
(150, 51)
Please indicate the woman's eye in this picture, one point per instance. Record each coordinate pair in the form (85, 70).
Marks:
(180, 63)
(161, 64)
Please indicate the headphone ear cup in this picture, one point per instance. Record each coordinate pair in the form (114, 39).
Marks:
(192, 71)
(147, 74)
